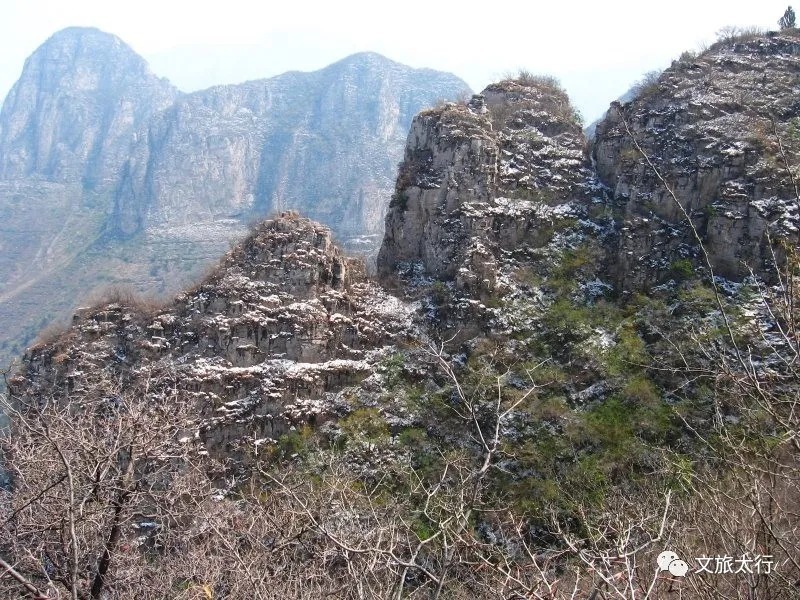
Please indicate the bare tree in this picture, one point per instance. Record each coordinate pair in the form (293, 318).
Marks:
(92, 475)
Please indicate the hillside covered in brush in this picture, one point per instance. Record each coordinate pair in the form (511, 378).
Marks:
(575, 356)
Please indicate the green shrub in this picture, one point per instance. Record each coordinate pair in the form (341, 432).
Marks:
(641, 390)
(681, 269)
(698, 298)
(393, 368)
(551, 408)
(610, 424)
(365, 424)
(586, 482)
(294, 443)
(413, 437)
(566, 323)
(440, 293)
(628, 355)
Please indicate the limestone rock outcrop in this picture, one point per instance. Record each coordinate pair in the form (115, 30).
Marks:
(719, 128)
(263, 344)
(485, 181)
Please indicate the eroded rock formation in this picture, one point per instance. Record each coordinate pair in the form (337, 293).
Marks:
(485, 181)
(713, 125)
(263, 344)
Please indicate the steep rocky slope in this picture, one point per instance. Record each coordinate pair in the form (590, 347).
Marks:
(65, 132)
(720, 128)
(485, 183)
(325, 143)
(263, 344)
(483, 186)
(74, 110)
(109, 174)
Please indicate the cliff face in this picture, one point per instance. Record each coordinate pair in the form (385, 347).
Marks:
(264, 343)
(72, 114)
(503, 182)
(325, 143)
(485, 182)
(108, 174)
(65, 132)
(713, 126)
(496, 199)
(87, 110)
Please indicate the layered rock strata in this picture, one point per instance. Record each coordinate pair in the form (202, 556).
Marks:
(262, 345)
(720, 128)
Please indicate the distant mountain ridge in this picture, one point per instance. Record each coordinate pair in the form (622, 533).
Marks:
(316, 142)
(109, 173)
(71, 115)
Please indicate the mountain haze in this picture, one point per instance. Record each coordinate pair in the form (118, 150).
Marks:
(299, 140)
(110, 174)
(71, 116)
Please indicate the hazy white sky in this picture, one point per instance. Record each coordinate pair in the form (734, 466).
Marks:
(596, 48)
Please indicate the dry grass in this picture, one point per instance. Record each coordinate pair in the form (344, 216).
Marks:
(50, 335)
(733, 34)
(125, 295)
(546, 83)
(551, 97)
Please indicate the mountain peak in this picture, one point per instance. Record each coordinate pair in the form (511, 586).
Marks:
(365, 57)
(378, 62)
(78, 32)
(93, 46)
(56, 124)
(479, 182)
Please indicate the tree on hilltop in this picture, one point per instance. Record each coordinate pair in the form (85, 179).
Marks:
(787, 21)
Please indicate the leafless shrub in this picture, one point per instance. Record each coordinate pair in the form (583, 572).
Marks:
(91, 478)
(647, 85)
(733, 34)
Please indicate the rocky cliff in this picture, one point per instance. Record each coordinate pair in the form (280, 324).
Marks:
(263, 344)
(720, 128)
(325, 143)
(485, 183)
(109, 174)
(73, 112)
(65, 132)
